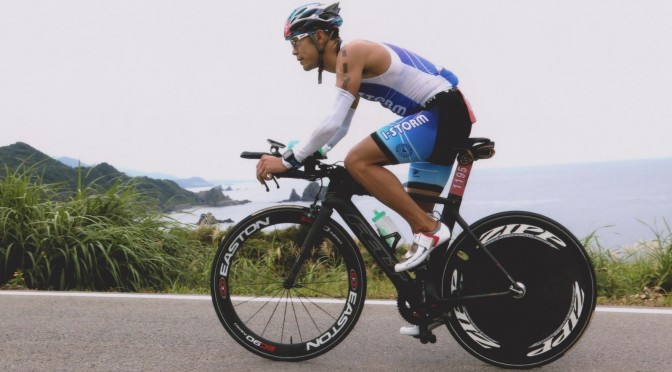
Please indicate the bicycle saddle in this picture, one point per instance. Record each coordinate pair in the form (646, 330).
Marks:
(476, 148)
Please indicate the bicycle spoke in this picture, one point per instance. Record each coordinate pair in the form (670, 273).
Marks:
(262, 307)
(310, 315)
(312, 303)
(271, 280)
(322, 292)
(284, 318)
(271, 317)
(252, 299)
(296, 319)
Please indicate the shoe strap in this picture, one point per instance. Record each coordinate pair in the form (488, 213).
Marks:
(424, 240)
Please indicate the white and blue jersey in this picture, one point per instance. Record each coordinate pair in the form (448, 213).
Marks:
(408, 83)
(435, 117)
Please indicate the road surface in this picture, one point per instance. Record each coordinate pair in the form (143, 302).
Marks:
(66, 331)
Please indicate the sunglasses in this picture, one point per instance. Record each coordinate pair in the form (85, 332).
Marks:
(295, 40)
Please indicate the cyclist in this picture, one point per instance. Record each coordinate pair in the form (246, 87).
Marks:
(435, 118)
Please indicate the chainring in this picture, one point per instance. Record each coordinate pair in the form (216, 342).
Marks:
(409, 314)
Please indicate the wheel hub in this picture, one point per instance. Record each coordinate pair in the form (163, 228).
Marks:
(518, 290)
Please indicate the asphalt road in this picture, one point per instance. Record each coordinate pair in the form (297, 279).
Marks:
(51, 331)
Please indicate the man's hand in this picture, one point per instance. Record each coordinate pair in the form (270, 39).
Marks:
(267, 166)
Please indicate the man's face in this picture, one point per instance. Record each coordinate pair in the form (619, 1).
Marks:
(305, 51)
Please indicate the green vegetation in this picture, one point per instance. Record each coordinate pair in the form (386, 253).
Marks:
(640, 275)
(110, 238)
(113, 238)
(272, 252)
(21, 156)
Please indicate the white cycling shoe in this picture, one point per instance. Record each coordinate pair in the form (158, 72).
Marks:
(414, 330)
(410, 252)
(423, 244)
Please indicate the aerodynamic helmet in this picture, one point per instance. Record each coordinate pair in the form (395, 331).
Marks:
(312, 17)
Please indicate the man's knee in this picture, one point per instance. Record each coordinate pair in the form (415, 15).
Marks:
(353, 163)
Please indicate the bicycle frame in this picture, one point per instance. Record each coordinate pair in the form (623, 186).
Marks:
(339, 198)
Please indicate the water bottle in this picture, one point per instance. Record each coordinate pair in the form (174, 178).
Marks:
(387, 229)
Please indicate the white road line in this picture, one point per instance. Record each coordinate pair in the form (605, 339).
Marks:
(603, 309)
(634, 310)
(105, 295)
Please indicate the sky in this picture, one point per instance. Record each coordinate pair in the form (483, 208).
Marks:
(183, 87)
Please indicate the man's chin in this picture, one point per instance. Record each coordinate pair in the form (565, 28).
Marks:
(308, 67)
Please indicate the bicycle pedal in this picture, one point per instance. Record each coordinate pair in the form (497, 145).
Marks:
(431, 338)
(426, 335)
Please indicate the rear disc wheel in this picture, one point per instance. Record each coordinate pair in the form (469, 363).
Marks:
(554, 308)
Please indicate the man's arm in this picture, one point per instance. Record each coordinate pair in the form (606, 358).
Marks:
(349, 67)
(329, 127)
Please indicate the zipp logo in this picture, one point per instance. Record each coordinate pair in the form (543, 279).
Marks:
(500, 232)
(465, 320)
(567, 328)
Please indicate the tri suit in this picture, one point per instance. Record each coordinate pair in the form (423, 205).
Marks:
(435, 117)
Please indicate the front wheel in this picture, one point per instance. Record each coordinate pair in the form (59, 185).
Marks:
(553, 268)
(250, 296)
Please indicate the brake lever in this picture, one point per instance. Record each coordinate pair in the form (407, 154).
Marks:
(274, 180)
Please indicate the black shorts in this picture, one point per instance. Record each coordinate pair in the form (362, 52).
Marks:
(428, 139)
(455, 120)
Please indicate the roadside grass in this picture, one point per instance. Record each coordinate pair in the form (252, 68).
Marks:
(115, 239)
(94, 239)
(638, 275)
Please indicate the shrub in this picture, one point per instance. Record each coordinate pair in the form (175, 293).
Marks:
(93, 240)
(641, 272)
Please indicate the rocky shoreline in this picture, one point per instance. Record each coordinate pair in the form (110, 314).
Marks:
(214, 197)
(310, 193)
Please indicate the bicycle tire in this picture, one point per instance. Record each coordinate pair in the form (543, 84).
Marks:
(560, 288)
(293, 324)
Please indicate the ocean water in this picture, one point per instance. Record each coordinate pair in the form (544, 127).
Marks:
(620, 201)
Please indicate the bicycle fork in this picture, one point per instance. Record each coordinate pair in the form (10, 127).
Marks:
(313, 234)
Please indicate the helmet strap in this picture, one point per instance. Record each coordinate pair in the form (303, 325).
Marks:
(320, 51)
(320, 67)
(320, 58)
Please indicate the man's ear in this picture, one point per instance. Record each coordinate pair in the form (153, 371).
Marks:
(322, 37)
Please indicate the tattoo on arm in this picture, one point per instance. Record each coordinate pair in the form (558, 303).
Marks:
(346, 82)
(344, 54)
(346, 78)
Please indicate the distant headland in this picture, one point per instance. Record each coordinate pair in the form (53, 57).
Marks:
(71, 174)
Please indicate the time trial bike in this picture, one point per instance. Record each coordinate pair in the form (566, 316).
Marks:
(515, 289)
